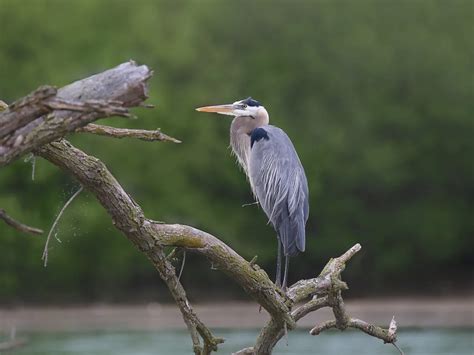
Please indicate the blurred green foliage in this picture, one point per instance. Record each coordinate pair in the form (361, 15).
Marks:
(377, 97)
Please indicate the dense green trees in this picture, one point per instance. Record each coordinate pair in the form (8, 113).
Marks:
(377, 97)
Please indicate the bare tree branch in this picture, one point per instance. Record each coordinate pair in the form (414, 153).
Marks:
(18, 225)
(128, 217)
(387, 335)
(150, 237)
(48, 114)
(327, 281)
(110, 93)
(25, 110)
(142, 134)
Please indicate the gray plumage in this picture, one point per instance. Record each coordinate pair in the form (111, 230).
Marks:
(279, 183)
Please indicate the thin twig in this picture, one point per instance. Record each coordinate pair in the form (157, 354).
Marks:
(17, 225)
(253, 261)
(398, 348)
(33, 167)
(114, 132)
(171, 254)
(31, 158)
(182, 265)
(45, 251)
(250, 204)
(3, 106)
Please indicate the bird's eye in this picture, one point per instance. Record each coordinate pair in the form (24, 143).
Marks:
(244, 106)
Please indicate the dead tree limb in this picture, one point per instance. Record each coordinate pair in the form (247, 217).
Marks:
(128, 217)
(25, 110)
(151, 237)
(114, 132)
(48, 114)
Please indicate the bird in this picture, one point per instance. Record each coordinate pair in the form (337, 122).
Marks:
(275, 173)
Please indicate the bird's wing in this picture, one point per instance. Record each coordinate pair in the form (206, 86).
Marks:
(279, 183)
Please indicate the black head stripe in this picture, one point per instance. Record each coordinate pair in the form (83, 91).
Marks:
(251, 102)
(257, 134)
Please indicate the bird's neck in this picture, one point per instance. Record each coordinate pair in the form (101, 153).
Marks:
(240, 130)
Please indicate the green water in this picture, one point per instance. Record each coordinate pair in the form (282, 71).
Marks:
(412, 341)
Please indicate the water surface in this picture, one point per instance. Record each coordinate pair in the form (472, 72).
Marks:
(412, 341)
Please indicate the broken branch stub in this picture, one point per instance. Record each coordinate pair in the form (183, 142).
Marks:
(46, 114)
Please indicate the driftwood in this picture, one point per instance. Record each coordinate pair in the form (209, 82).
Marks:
(47, 115)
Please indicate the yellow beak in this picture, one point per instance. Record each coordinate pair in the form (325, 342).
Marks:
(224, 109)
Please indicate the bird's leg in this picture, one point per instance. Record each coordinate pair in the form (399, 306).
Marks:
(285, 276)
(278, 269)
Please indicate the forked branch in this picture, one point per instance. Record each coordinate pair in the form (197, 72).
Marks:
(150, 237)
(48, 114)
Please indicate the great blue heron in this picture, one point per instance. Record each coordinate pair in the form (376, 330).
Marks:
(275, 173)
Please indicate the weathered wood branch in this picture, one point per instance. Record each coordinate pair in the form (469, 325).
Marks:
(389, 336)
(18, 225)
(327, 281)
(25, 110)
(114, 132)
(150, 237)
(48, 114)
(128, 217)
(355, 323)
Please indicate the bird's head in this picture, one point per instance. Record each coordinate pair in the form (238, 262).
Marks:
(248, 108)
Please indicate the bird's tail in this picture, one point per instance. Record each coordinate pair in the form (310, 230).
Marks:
(291, 232)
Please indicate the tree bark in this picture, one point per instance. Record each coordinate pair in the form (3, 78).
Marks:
(48, 114)
(35, 122)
